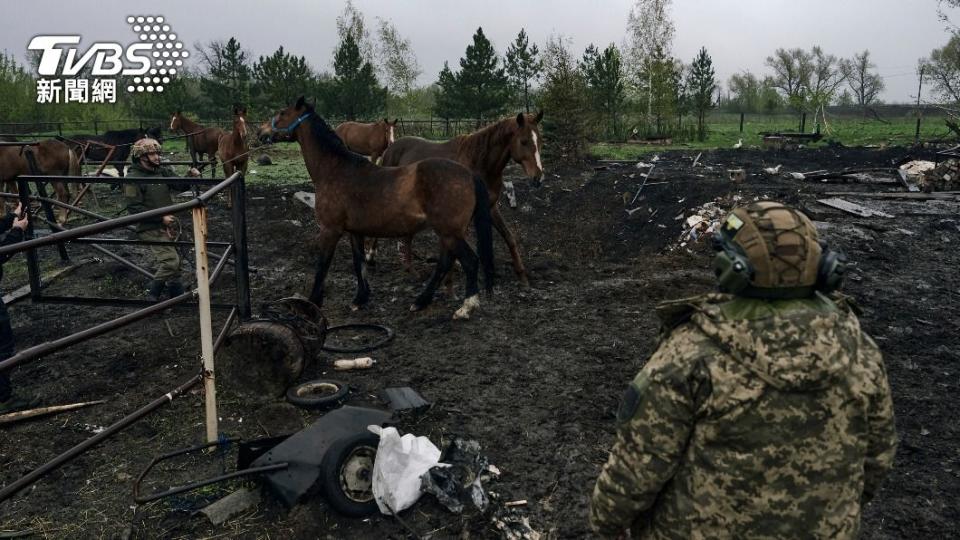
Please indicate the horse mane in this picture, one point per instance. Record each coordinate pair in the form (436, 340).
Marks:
(477, 144)
(329, 139)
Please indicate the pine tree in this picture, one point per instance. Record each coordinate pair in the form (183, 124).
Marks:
(565, 92)
(280, 78)
(227, 78)
(604, 76)
(482, 84)
(523, 67)
(447, 103)
(354, 91)
(700, 88)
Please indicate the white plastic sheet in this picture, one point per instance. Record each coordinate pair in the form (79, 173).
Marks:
(396, 471)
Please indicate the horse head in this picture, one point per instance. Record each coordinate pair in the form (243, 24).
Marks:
(385, 131)
(156, 133)
(282, 127)
(525, 145)
(175, 122)
(240, 120)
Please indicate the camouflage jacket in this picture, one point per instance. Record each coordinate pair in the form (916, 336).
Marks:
(144, 197)
(753, 419)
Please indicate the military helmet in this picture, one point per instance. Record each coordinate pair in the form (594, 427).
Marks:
(770, 250)
(143, 147)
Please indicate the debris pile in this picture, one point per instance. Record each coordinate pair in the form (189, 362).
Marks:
(704, 220)
(944, 176)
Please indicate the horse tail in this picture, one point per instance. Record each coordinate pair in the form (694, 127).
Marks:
(73, 164)
(483, 222)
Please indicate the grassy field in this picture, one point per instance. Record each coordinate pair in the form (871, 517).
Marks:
(724, 132)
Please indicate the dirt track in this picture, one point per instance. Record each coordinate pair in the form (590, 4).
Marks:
(535, 377)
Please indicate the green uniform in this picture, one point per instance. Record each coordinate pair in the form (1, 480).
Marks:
(144, 197)
(753, 419)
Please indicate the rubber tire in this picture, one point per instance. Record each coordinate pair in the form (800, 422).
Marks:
(295, 394)
(330, 472)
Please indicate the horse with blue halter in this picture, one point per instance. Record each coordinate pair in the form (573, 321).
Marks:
(358, 198)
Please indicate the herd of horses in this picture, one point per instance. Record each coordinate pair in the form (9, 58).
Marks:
(417, 185)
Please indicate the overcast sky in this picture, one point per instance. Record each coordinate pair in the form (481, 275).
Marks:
(739, 34)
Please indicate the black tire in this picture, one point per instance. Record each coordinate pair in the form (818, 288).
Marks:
(317, 393)
(346, 475)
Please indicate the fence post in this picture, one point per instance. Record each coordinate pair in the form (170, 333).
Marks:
(96, 127)
(60, 128)
(206, 324)
(741, 122)
(803, 122)
(241, 268)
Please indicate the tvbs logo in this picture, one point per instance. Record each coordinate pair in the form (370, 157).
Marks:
(152, 62)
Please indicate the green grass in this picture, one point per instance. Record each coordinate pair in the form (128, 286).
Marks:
(724, 132)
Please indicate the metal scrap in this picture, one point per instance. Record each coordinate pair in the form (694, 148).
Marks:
(853, 208)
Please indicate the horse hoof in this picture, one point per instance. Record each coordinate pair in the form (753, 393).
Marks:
(415, 308)
(354, 307)
(471, 303)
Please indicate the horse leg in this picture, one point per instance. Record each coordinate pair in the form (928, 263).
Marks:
(370, 249)
(363, 288)
(406, 254)
(471, 267)
(511, 241)
(328, 246)
(443, 266)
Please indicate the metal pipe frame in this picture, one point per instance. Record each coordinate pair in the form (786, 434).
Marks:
(197, 180)
(116, 427)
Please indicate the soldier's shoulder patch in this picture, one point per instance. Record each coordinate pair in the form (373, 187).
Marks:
(631, 397)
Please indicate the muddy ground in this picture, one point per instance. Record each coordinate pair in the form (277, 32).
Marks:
(535, 377)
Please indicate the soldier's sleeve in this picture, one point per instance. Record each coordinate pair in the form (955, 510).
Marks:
(882, 435)
(133, 196)
(656, 418)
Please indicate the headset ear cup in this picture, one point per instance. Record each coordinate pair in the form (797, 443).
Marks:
(733, 270)
(831, 270)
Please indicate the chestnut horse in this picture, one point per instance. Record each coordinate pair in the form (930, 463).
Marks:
(486, 152)
(356, 197)
(52, 157)
(367, 139)
(233, 147)
(200, 140)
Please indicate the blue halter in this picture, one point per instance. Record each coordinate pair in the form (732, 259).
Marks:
(291, 127)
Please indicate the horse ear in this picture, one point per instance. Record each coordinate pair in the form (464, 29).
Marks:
(395, 120)
(385, 121)
(520, 119)
(301, 103)
(538, 117)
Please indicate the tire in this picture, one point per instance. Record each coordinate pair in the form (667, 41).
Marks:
(317, 393)
(346, 475)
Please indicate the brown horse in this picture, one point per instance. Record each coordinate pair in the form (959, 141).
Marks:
(233, 149)
(200, 140)
(356, 197)
(52, 157)
(367, 139)
(485, 152)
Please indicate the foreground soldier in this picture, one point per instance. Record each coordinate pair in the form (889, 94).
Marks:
(764, 413)
(145, 155)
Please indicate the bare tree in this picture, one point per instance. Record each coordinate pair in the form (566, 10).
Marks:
(791, 75)
(398, 63)
(649, 30)
(351, 21)
(942, 69)
(865, 83)
(826, 76)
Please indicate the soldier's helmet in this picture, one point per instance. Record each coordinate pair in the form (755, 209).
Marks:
(144, 146)
(768, 249)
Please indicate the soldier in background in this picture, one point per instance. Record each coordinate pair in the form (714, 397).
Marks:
(764, 413)
(145, 155)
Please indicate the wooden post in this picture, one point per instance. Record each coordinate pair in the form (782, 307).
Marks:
(916, 136)
(741, 122)
(206, 324)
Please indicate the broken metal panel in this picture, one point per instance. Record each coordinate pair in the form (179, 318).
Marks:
(304, 451)
(853, 208)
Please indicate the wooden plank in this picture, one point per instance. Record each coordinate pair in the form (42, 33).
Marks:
(853, 208)
(933, 196)
(45, 280)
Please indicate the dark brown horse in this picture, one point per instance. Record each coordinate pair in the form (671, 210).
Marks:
(485, 152)
(52, 157)
(356, 197)
(233, 149)
(367, 139)
(200, 140)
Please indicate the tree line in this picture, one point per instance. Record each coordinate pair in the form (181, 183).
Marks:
(636, 89)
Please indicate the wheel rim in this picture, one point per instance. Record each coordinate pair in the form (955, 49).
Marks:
(356, 474)
(320, 389)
